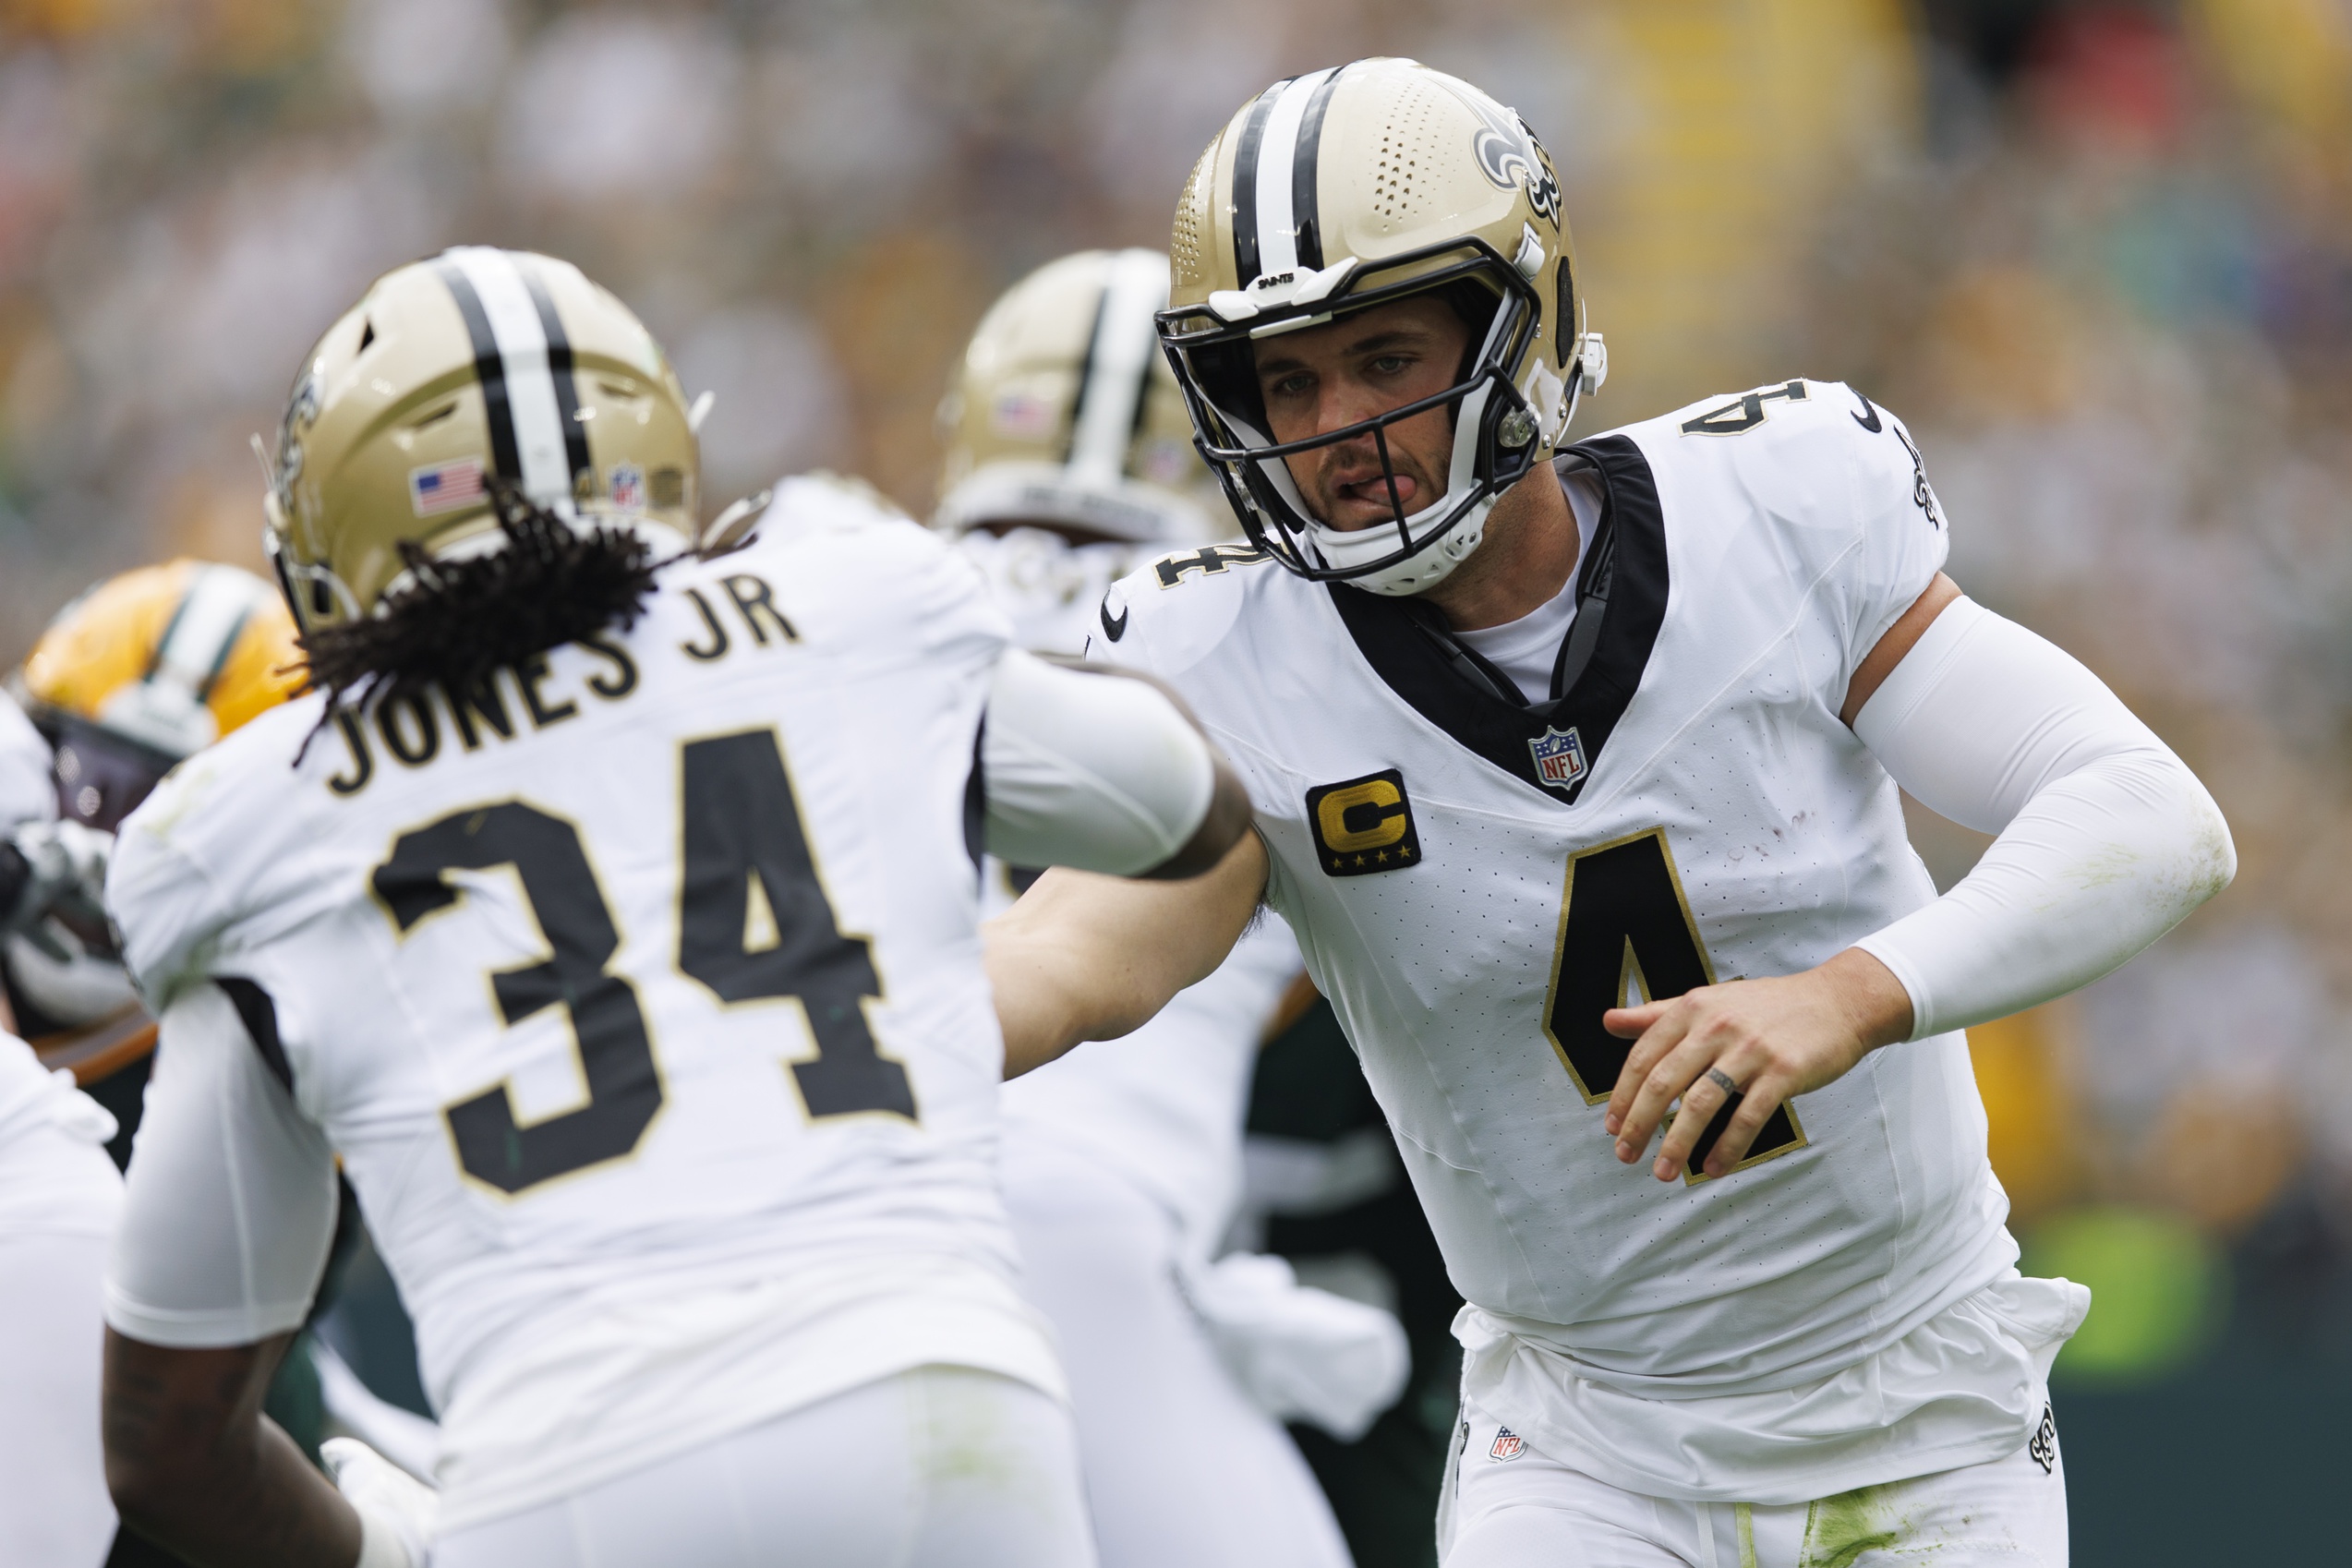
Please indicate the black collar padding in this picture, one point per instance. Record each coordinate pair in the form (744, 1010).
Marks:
(1621, 589)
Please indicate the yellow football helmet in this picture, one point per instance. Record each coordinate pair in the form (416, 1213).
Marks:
(1067, 413)
(477, 369)
(1346, 188)
(136, 674)
(148, 668)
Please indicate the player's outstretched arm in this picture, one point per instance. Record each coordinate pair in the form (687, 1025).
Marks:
(227, 1215)
(195, 1466)
(1103, 769)
(2105, 841)
(1084, 956)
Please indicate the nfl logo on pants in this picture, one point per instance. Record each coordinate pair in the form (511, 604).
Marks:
(1560, 757)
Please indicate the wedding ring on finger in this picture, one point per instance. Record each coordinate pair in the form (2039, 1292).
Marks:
(1722, 1080)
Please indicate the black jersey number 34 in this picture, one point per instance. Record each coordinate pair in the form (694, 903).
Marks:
(1627, 936)
(745, 854)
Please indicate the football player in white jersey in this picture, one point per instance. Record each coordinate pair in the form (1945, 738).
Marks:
(59, 1196)
(611, 914)
(1576, 770)
(131, 676)
(1071, 462)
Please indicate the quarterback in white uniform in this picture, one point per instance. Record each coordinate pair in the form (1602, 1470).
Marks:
(611, 914)
(1576, 770)
(1069, 463)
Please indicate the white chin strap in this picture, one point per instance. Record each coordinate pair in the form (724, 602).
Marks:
(1434, 562)
(1417, 573)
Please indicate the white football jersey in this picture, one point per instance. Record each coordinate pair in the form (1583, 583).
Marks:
(1473, 881)
(641, 994)
(1048, 585)
(1165, 1104)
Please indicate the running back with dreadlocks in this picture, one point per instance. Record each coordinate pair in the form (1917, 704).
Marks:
(455, 624)
(622, 941)
(622, 945)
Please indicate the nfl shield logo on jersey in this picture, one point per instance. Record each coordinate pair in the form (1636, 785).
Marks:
(1560, 757)
(1508, 1444)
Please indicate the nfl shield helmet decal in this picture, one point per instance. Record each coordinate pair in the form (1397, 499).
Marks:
(628, 487)
(1560, 757)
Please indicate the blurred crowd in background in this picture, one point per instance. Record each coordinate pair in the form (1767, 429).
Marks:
(2098, 255)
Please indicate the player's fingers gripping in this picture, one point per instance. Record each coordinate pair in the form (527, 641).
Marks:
(1661, 1028)
(1700, 1037)
(1757, 1102)
(1722, 1050)
(1631, 1023)
(1727, 1061)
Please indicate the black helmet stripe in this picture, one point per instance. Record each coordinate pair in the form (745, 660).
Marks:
(534, 438)
(490, 368)
(1086, 372)
(567, 386)
(1245, 184)
(1305, 201)
(1266, 190)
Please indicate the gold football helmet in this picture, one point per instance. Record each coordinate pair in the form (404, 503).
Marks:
(148, 668)
(1346, 188)
(476, 368)
(1067, 413)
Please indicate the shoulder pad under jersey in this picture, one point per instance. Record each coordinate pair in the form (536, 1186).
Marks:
(877, 567)
(205, 862)
(1817, 456)
(1169, 613)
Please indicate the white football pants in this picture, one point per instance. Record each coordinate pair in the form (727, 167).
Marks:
(938, 1467)
(1508, 1506)
(59, 1200)
(1182, 1471)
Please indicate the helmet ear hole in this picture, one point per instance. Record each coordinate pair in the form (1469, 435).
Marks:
(321, 601)
(367, 335)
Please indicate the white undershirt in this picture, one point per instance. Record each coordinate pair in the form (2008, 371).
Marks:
(1525, 649)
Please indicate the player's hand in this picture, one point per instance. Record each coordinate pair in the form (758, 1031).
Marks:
(397, 1512)
(60, 870)
(1772, 1038)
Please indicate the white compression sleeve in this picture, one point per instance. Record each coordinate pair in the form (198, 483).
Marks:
(2106, 840)
(1090, 770)
(230, 1197)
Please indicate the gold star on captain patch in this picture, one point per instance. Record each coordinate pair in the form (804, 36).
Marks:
(1382, 856)
(1405, 853)
(1359, 860)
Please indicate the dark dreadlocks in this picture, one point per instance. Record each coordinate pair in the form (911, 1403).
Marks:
(456, 622)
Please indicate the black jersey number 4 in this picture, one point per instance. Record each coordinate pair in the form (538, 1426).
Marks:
(1627, 936)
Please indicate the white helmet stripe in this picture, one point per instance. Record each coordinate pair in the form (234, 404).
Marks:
(1118, 366)
(204, 627)
(1277, 181)
(534, 404)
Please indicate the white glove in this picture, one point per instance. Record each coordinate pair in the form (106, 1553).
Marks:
(397, 1512)
(1300, 1353)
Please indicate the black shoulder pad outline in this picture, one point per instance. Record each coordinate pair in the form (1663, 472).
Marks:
(260, 1014)
(1412, 658)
